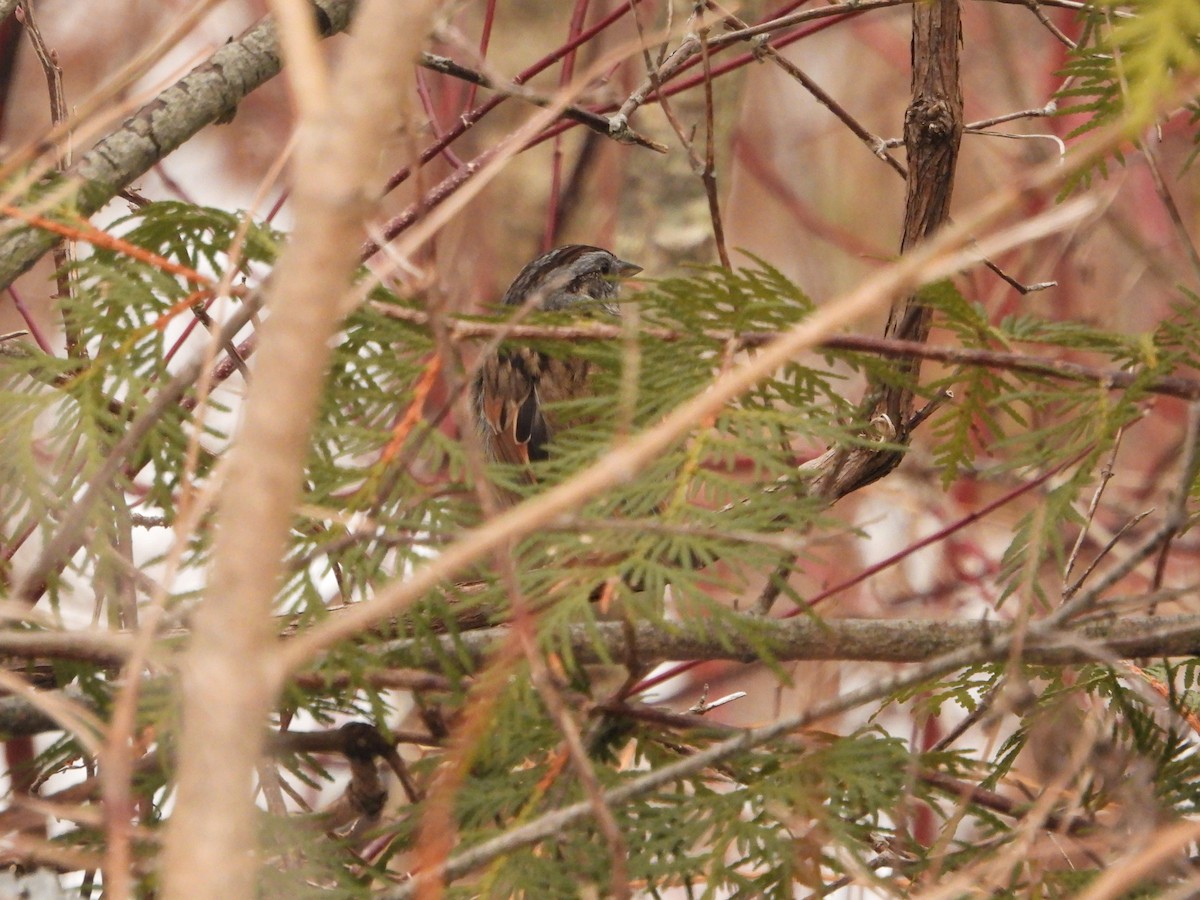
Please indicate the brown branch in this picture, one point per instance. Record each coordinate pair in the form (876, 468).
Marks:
(861, 640)
(980, 125)
(1115, 379)
(1002, 804)
(873, 142)
(988, 645)
(704, 168)
(392, 679)
(58, 115)
(868, 640)
(1172, 208)
(1076, 5)
(1035, 7)
(1177, 514)
(708, 173)
(690, 46)
(933, 127)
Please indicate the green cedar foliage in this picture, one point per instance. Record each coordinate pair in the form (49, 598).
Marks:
(745, 831)
(785, 814)
(1128, 68)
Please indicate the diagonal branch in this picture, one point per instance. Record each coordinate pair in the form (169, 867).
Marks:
(205, 95)
(585, 117)
(468, 328)
(933, 127)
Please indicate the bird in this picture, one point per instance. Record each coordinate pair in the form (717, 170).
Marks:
(513, 387)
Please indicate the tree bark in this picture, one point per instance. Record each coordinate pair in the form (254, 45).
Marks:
(933, 126)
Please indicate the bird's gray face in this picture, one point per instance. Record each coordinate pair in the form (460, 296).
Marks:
(571, 277)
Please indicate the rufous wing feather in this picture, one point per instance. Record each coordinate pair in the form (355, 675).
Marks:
(515, 428)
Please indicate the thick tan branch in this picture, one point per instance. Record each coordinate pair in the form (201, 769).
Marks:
(230, 675)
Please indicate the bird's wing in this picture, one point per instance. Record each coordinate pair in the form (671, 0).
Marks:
(506, 394)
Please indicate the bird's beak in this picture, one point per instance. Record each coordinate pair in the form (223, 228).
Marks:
(627, 269)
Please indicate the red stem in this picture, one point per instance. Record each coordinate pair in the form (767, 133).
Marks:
(485, 39)
(431, 113)
(449, 185)
(35, 330)
(469, 119)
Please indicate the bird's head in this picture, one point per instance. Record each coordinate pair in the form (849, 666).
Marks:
(569, 277)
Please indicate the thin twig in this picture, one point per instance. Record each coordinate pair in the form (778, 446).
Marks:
(63, 253)
(776, 582)
(703, 169)
(1072, 589)
(1035, 7)
(1177, 517)
(470, 118)
(1082, 603)
(689, 47)
(982, 707)
(873, 142)
(983, 124)
(35, 330)
(1106, 474)
(708, 174)
(1076, 5)
(1172, 208)
(585, 117)
(485, 39)
(431, 116)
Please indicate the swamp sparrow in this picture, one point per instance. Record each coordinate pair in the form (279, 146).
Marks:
(509, 393)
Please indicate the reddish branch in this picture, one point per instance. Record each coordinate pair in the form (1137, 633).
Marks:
(1180, 386)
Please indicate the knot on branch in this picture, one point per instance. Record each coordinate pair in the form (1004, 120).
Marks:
(931, 121)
